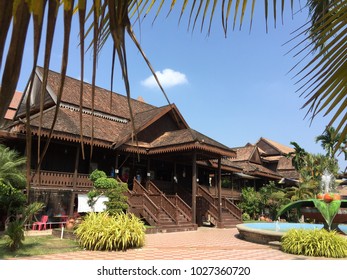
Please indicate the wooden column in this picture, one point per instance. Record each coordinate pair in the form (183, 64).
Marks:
(220, 189)
(232, 187)
(173, 179)
(72, 199)
(216, 183)
(116, 170)
(148, 172)
(194, 189)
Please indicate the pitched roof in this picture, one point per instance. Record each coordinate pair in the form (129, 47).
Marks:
(247, 153)
(248, 168)
(112, 122)
(104, 101)
(67, 127)
(144, 119)
(185, 140)
(280, 148)
(14, 105)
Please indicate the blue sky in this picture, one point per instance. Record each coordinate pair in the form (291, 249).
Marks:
(235, 89)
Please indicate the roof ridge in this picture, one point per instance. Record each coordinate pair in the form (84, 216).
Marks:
(97, 87)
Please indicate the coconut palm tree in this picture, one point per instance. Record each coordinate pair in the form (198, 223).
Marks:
(329, 140)
(298, 156)
(322, 80)
(12, 172)
(12, 182)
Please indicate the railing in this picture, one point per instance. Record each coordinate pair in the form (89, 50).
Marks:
(152, 188)
(142, 201)
(172, 205)
(211, 207)
(232, 208)
(138, 188)
(226, 203)
(159, 199)
(175, 200)
(185, 210)
(229, 193)
(61, 180)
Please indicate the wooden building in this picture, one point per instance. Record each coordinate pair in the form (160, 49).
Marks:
(178, 178)
(164, 165)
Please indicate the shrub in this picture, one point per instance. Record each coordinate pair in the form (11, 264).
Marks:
(111, 188)
(105, 232)
(14, 235)
(97, 174)
(245, 217)
(315, 243)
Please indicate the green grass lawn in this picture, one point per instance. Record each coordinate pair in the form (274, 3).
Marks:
(39, 245)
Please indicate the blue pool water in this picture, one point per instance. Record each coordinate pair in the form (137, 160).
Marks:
(283, 227)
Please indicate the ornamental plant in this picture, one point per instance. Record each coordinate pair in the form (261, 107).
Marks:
(105, 232)
(109, 187)
(314, 243)
(14, 233)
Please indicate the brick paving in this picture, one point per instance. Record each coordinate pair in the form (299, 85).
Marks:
(203, 244)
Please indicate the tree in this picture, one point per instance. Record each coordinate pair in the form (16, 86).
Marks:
(250, 202)
(12, 172)
(12, 183)
(111, 188)
(14, 233)
(272, 198)
(323, 78)
(329, 139)
(298, 156)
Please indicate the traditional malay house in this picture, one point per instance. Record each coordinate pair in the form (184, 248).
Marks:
(245, 170)
(254, 166)
(165, 165)
(275, 157)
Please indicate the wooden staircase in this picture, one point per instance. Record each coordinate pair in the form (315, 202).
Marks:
(167, 213)
(208, 211)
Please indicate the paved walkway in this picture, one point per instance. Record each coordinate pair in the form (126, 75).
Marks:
(203, 244)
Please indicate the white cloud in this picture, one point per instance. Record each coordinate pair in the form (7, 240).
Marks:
(167, 77)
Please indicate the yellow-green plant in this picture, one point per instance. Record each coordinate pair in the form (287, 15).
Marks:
(314, 243)
(105, 232)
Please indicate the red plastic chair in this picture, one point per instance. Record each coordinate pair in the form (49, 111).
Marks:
(41, 224)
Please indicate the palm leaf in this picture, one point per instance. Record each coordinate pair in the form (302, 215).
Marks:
(82, 15)
(5, 21)
(325, 74)
(14, 55)
(68, 11)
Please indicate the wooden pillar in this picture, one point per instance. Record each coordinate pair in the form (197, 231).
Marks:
(148, 172)
(194, 189)
(220, 189)
(216, 183)
(28, 169)
(232, 187)
(175, 179)
(72, 199)
(116, 164)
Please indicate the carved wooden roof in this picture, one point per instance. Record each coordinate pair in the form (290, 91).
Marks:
(111, 121)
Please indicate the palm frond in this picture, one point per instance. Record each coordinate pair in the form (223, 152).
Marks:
(323, 77)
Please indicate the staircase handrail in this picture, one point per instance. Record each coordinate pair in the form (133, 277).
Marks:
(212, 208)
(152, 188)
(236, 211)
(145, 202)
(178, 203)
(231, 207)
(206, 195)
(138, 188)
(183, 207)
(166, 205)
